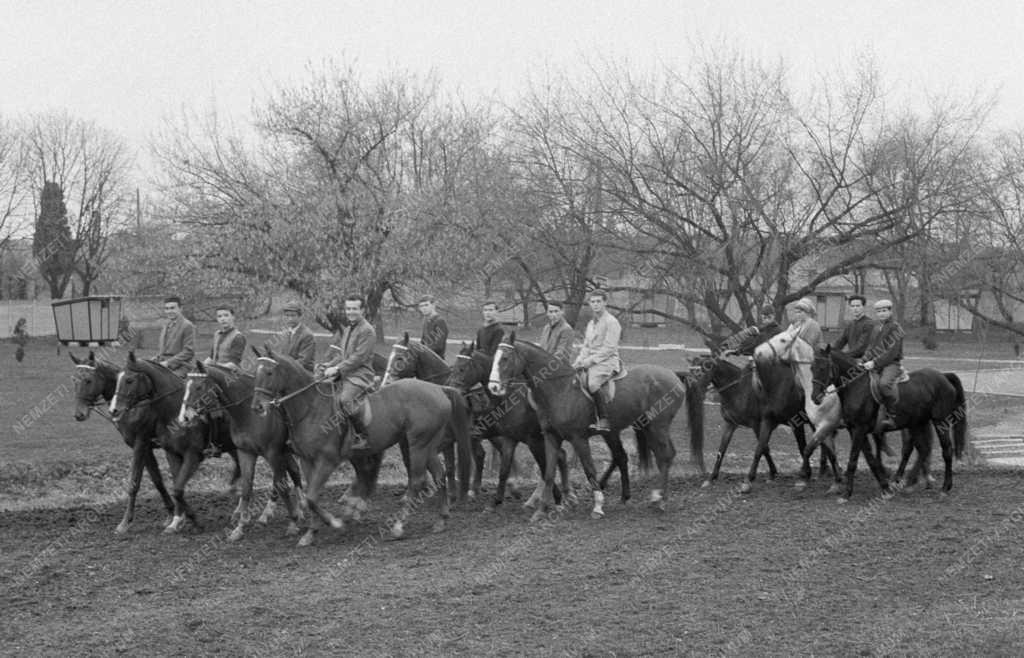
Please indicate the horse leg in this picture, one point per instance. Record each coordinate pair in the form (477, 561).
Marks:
(174, 461)
(236, 474)
(857, 439)
(444, 504)
(947, 457)
(317, 473)
(660, 442)
(906, 448)
(762, 443)
(728, 429)
(552, 444)
(189, 463)
(805, 461)
(620, 460)
(451, 486)
(477, 445)
(874, 460)
(828, 448)
(134, 481)
(581, 444)
(153, 468)
(506, 447)
(247, 463)
(281, 463)
(419, 460)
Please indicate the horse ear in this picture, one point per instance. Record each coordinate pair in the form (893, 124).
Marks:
(200, 367)
(472, 346)
(256, 350)
(827, 349)
(75, 359)
(405, 338)
(131, 356)
(512, 339)
(270, 353)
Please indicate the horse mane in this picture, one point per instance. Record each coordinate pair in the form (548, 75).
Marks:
(291, 363)
(562, 364)
(155, 371)
(420, 348)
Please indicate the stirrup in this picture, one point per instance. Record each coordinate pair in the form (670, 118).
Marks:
(600, 426)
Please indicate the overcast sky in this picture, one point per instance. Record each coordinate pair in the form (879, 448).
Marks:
(128, 64)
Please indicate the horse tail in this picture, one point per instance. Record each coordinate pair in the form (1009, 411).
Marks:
(459, 427)
(693, 394)
(957, 421)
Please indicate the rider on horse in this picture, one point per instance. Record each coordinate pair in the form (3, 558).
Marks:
(296, 340)
(557, 336)
(857, 333)
(754, 336)
(804, 324)
(884, 356)
(599, 356)
(177, 339)
(354, 366)
(228, 342)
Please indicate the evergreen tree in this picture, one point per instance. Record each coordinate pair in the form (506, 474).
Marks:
(52, 245)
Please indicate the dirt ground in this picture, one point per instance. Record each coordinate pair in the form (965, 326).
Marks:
(776, 572)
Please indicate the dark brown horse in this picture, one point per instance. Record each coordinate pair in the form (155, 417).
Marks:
(95, 382)
(930, 399)
(423, 414)
(213, 390)
(505, 422)
(155, 393)
(646, 400)
(762, 403)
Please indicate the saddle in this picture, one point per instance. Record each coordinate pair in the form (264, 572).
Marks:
(608, 388)
(874, 378)
(365, 411)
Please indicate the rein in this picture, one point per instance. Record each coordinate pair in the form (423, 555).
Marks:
(275, 402)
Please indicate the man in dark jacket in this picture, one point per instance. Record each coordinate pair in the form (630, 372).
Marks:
(557, 336)
(296, 340)
(435, 329)
(489, 336)
(884, 356)
(753, 337)
(857, 332)
(177, 339)
(353, 364)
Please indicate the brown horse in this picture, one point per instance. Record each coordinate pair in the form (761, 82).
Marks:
(423, 414)
(155, 393)
(506, 422)
(646, 400)
(95, 382)
(213, 390)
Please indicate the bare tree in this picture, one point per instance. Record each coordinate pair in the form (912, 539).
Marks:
(14, 184)
(91, 165)
(347, 187)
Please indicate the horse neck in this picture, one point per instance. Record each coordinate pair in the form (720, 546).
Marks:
(430, 367)
(298, 406)
(547, 383)
(165, 387)
(109, 377)
(234, 389)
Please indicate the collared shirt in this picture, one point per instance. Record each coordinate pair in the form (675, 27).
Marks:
(855, 337)
(355, 359)
(600, 343)
(299, 343)
(886, 344)
(177, 344)
(558, 339)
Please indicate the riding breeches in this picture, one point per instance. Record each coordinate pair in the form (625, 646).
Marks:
(598, 374)
(351, 396)
(887, 386)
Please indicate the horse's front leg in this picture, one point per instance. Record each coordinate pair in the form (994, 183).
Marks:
(188, 465)
(507, 449)
(317, 473)
(247, 463)
(728, 429)
(153, 468)
(805, 460)
(139, 448)
(552, 443)
(444, 503)
(762, 444)
(581, 443)
(620, 461)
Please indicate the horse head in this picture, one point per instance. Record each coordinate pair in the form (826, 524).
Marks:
(784, 347)
(92, 383)
(276, 375)
(822, 374)
(401, 361)
(468, 369)
(133, 386)
(201, 395)
(508, 364)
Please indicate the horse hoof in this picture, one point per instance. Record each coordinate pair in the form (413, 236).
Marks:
(438, 527)
(597, 514)
(706, 484)
(121, 528)
(235, 534)
(745, 487)
(171, 530)
(800, 485)
(471, 494)
(337, 523)
(262, 520)
(397, 531)
(306, 539)
(842, 500)
(292, 530)
(834, 489)
(658, 505)
(530, 504)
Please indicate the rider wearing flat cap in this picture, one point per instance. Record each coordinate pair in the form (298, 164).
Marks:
(296, 340)
(354, 366)
(884, 356)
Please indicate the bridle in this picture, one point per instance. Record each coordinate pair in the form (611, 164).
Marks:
(94, 404)
(137, 399)
(278, 401)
